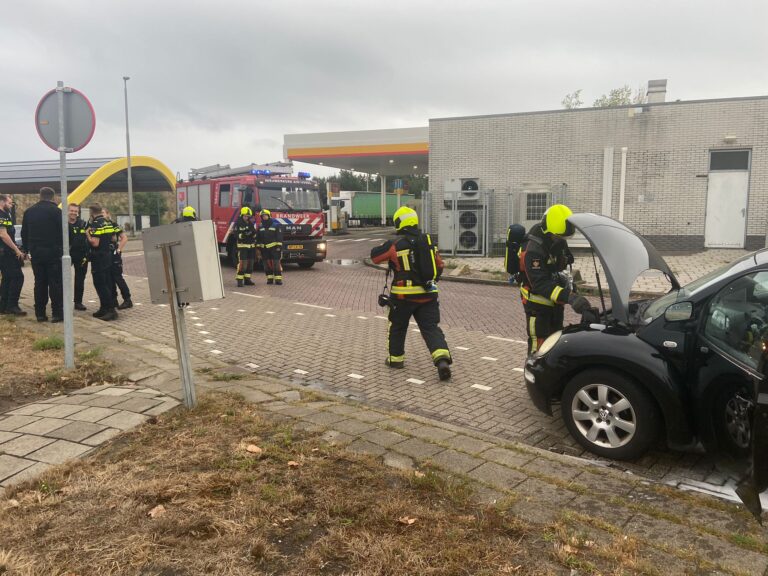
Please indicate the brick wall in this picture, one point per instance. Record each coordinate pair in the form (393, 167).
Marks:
(667, 160)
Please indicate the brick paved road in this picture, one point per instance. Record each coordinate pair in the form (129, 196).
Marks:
(323, 329)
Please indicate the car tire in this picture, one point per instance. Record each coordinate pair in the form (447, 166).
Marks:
(306, 264)
(610, 414)
(732, 426)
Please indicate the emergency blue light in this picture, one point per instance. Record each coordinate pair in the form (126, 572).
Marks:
(256, 172)
(305, 175)
(266, 172)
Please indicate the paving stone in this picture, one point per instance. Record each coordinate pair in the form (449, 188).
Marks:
(364, 447)
(10, 465)
(59, 411)
(289, 395)
(137, 405)
(24, 444)
(142, 374)
(275, 406)
(541, 491)
(432, 433)
(334, 437)
(320, 405)
(29, 409)
(507, 457)
(383, 437)
(58, 452)
(5, 436)
(467, 444)
(11, 423)
(43, 426)
(417, 448)
(76, 431)
(92, 414)
(352, 426)
(91, 389)
(162, 408)
(103, 401)
(601, 481)
(343, 409)
(324, 418)
(398, 461)
(272, 387)
(113, 391)
(297, 411)
(594, 507)
(124, 420)
(553, 468)
(456, 462)
(497, 475)
(256, 396)
(101, 437)
(369, 416)
(399, 424)
(27, 474)
(536, 512)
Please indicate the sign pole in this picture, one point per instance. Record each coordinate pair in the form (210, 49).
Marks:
(66, 259)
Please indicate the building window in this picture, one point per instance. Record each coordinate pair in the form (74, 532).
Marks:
(729, 160)
(536, 205)
(225, 195)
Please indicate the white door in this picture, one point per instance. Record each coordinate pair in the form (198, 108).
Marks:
(726, 222)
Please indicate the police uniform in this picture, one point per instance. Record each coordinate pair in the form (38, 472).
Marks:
(10, 267)
(246, 248)
(410, 295)
(78, 251)
(269, 241)
(101, 266)
(118, 282)
(41, 238)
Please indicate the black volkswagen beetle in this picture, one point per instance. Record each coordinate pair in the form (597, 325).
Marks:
(689, 365)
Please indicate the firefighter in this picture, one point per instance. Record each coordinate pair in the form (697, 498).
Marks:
(187, 215)
(246, 246)
(116, 244)
(99, 234)
(11, 259)
(543, 289)
(417, 267)
(78, 251)
(269, 241)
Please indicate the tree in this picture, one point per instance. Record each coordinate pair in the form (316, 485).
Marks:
(572, 100)
(622, 96)
(150, 203)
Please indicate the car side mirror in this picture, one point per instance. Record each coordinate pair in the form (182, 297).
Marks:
(679, 312)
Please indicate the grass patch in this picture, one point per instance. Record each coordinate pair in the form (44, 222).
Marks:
(49, 343)
(90, 354)
(225, 376)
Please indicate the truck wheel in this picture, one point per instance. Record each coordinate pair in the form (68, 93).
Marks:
(610, 415)
(306, 264)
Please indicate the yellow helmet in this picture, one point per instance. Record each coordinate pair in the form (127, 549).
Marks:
(405, 217)
(189, 212)
(245, 211)
(265, 212)
(555, 220)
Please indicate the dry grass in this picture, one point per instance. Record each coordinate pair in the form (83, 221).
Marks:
(31, 367)
(297, 507)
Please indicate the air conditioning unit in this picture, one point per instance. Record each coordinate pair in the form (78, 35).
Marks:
(465, 191)
(467, 233)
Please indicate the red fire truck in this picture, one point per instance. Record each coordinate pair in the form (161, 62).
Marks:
(217, 193)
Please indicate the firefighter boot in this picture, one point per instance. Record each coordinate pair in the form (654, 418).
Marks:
(279, 282)
(270, 281)
(394, 363)
(249, 282)
(239, 283)
(443, 369)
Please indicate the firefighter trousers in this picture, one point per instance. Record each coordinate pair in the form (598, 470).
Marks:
(272, 266)
(245, 257)
(12, 280)
(541, 322)
(427, 316)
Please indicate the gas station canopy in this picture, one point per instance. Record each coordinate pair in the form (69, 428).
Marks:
(393, 152)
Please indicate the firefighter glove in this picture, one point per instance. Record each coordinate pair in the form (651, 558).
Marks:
(579, 303)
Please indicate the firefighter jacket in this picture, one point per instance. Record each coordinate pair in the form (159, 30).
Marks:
(269, 236)
(78, 243)
(416, 264)
(542, 258)
(246, 234)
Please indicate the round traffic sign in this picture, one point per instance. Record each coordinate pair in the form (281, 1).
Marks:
(79, 120)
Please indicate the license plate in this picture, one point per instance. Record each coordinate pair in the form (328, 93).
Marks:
(295, 246)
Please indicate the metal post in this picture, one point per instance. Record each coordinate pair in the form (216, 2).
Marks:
(383, 200)
(131, 218)
(66, 259)
(179, 327)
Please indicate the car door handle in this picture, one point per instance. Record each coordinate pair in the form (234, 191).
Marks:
(704, 350)
(670, 344)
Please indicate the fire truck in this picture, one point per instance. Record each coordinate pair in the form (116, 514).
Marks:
(219, 192)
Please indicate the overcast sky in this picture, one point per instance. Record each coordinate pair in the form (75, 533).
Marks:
(221, 82)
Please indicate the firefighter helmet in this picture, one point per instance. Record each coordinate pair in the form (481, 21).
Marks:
(189, 212)
(555, 220)
(245, 211)
(405, 217)
(266, 213)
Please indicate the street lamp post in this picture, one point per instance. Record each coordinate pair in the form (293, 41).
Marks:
(131, 219)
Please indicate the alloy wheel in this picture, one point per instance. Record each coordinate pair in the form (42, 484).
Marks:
(604, 416)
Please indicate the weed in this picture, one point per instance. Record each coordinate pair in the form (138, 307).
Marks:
(90, 354)
(49, 343)
(226, 376)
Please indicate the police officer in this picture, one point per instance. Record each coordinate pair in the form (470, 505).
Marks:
(543, 290)
(78, 250)
(41, 237)
(99, 234)
(417, 267)
(269, 241)
(11, 259)
(117, 243)
(187, 215)
(246, 246)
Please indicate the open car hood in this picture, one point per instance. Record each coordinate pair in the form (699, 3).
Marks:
(624, 254)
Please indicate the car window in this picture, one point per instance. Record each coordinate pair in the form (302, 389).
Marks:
(736, 319)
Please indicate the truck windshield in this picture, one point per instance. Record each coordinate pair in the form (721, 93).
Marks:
(289, 198)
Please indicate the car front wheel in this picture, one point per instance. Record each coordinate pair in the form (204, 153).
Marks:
(610, 415)
(733, 420)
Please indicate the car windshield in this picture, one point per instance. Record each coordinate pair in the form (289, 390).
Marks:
(289, 198)
(657, 307)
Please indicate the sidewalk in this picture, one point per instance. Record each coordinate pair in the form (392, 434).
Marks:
(678, 532)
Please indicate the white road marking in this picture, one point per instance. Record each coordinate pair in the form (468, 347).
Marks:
(269, 312)
(518, 369)
(344, 240)
(203, 332)
(415, 381)
(251, 365)
(362, 317)
(199, 324)
(216, 352)
(195, 318)
(241, 310)
(374, 240)
(415, 330)
(356, 376)
(312, 306)
(330, 315)
(361, 240)
(489, 358)
(507, 339)
(297, 371)
(481, 387)
(163, 305)
(137, 303)
(214, 308)
(412, 323)
(243, 294)
(381, 317)
(461, 348)
(91, 301)
(210, 341)
(299, 313)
